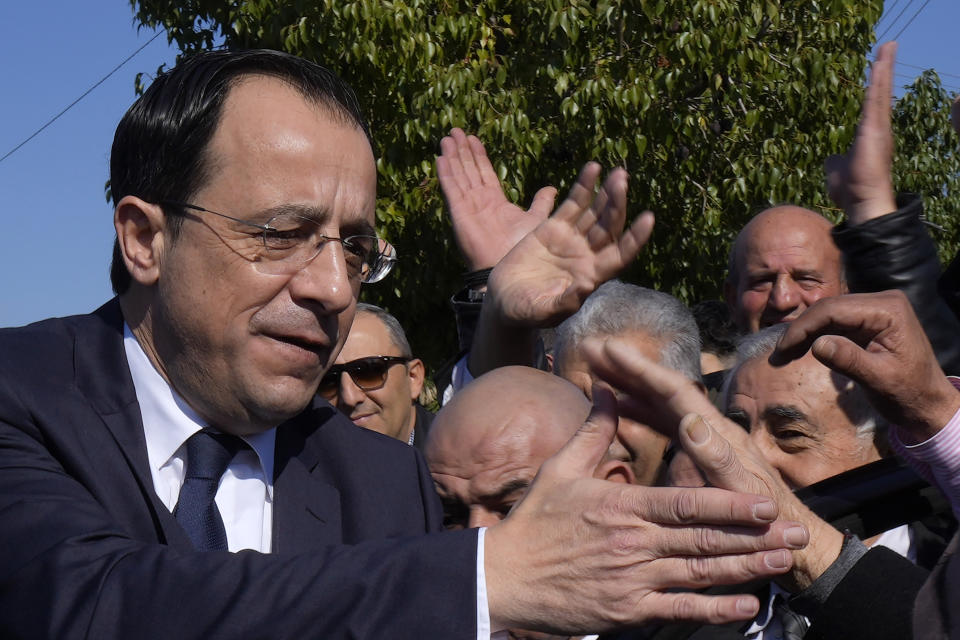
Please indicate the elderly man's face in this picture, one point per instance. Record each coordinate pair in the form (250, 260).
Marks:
(802, 417)
(786, 261)
(387, 408)
(245, 348)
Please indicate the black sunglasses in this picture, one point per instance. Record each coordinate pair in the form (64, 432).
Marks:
(368, 373)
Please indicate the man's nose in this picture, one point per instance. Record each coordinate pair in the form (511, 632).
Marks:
(350, 394)
(325, 282)
(785, 294)
(481, 517)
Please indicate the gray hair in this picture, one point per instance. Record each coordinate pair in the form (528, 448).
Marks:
(866, 420)
(616, 308)
(394, 330)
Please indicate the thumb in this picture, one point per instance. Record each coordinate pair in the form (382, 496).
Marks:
(543, 202)
(584, 451)
(846, 357)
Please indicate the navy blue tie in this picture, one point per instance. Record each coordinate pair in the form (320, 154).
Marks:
(208, 455)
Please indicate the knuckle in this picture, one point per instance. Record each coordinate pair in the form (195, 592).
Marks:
(700, 570)
(685, 507)
(683, 607)
(707, 540)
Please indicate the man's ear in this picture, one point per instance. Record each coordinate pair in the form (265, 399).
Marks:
(140, 226)
(615, 471)
(549, 358)
(417, 373)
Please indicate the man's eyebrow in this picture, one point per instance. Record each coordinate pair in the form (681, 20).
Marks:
(508, 488)
(319, 215)
(786, 412)
(739, 416)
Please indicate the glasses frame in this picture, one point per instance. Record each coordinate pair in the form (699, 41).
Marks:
(338, 370)
(377, 270)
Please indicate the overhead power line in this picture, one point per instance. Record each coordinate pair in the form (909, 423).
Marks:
(82, 96)
(922, 7)
(890, 25)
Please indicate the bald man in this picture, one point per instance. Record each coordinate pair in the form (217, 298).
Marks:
(487, 444)
(781, 262)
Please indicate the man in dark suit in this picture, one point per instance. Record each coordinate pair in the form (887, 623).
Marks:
(141, 443)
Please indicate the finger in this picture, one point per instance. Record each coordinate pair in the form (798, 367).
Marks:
(843, 355)
(584, 451)
(636, 237)
(488, 177)
(543, 202)
(690, 540)
(693, 572)
(580, 196)
(449, 184)
(695, 607)
(716, 457)
(610, 205)
(471, 173)
(706, 505)
(875, 114)
(857, 316)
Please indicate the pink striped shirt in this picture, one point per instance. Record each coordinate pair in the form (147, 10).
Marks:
(936, 459)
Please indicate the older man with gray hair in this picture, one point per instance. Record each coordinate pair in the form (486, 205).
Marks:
(657, 324)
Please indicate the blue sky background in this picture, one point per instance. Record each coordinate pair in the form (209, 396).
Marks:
(57, 233)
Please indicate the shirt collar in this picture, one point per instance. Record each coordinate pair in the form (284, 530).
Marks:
(168, 421)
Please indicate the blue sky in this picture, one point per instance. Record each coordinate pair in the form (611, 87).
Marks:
(55, 250)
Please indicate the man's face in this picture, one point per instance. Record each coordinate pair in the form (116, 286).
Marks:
(244, 348)
(387, 409)
(645, 445)
(786, 261)
(802, 417)
(482, 472)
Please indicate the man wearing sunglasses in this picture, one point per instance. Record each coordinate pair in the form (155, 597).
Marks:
(376, 380)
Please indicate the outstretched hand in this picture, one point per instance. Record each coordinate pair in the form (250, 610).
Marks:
(548, 274)
(720, 449)
(860, 181)
(486, 224)
(580, 555)
(876, 340)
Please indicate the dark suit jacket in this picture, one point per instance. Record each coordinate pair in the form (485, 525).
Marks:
(88, 550)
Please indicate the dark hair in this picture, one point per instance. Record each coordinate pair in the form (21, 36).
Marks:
(717, 331)
(159, 149)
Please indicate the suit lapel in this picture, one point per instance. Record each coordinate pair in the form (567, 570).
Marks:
(306, 508)
(103, 377)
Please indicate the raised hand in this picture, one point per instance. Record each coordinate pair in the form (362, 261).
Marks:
(485, 224)
(860, 181)
(580, 555)
(876, 340)
(548, 274)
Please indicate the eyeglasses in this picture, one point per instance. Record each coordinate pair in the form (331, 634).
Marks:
(367, 373)
(287, 243)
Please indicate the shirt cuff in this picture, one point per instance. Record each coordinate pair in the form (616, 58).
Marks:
(937, 459)
(483, 607)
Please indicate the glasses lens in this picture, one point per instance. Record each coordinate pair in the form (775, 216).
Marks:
(381, 265)
(330, 383)
(369, 374)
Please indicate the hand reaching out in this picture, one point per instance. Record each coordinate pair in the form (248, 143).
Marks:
(485, 223)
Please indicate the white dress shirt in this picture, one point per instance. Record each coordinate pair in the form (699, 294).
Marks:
(245, 495)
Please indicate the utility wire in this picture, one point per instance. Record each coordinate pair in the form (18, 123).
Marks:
(899, 33)
(890, 25)
(82, 96)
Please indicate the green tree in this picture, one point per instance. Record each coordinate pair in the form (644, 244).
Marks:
(718, 108)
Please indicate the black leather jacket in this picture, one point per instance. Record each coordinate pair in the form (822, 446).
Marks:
(895, 251)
